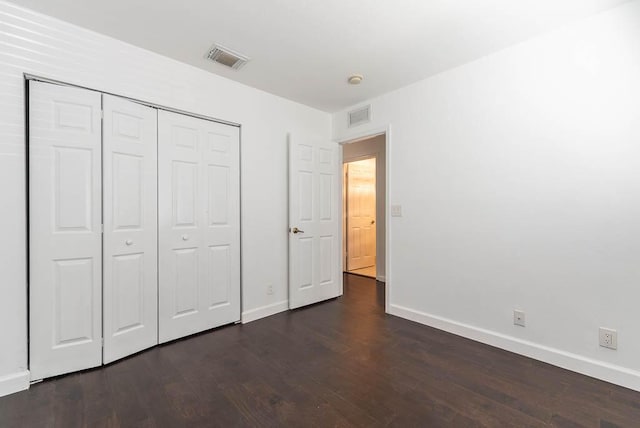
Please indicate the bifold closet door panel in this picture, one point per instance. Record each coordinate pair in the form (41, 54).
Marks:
(130, 287)
(65, 247)
(199, 229)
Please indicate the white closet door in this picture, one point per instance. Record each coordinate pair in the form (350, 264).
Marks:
(130, 287)
(199, 230)
(65, 253)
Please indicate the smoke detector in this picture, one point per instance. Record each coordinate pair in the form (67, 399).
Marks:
(227, 57)
(355, 79)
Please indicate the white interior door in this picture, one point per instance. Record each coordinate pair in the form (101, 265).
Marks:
(314, 221)
(65, 250)
(361, 214)
(199, 229)
(130, 287)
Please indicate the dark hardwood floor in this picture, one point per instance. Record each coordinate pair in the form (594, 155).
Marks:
(339, 363)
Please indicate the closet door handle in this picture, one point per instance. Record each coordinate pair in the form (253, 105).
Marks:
(185, 237)
(129, 242)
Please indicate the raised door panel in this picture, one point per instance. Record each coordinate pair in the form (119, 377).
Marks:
(184, 286)
(65, 251)
(128, 186)
(128, 292)
(72, 189)
(219, 186)
(184, 191)
(130, 227)
(73, 313)
(305, 262)
(220, 276)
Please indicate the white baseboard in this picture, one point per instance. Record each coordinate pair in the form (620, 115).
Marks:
(14, 382)
(381, 278)
(264, 311)
(595, 368)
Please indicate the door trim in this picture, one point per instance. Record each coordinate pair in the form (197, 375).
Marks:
(354, 138)
(28, 77)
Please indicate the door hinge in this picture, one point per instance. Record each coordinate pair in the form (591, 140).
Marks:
(102, 228)
(102, 114)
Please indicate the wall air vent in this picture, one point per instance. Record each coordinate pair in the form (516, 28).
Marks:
(227, 57)
(359, 116)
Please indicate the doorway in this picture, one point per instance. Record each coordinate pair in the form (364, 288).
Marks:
(360, 216)
(363, 207)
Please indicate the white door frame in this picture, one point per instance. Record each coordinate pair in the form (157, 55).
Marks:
(353, 138)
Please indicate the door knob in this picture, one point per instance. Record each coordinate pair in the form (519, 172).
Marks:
(185, 237)
(296, 230)
(373, 221)
(128, 242)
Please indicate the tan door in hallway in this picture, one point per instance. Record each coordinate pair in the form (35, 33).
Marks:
(361, 214)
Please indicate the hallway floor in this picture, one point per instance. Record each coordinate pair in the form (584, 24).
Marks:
(368, 271)
(338, 363)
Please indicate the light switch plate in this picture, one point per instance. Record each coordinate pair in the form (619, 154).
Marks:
(396, 210)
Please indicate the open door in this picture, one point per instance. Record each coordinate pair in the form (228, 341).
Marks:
(314, 221)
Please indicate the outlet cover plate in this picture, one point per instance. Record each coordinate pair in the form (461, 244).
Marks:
(518, 318)
(608, 338)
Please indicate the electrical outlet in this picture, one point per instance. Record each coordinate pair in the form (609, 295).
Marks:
(518, 317)
(269, 289)
(396, 210)
(608, 338)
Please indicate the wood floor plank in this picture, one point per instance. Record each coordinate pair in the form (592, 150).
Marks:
(341, 363)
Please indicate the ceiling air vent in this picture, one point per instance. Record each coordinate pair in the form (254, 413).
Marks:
(227, 57)
(359, 116)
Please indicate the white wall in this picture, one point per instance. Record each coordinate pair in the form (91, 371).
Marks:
(374, 146)
(519, 180)
(35, 44)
